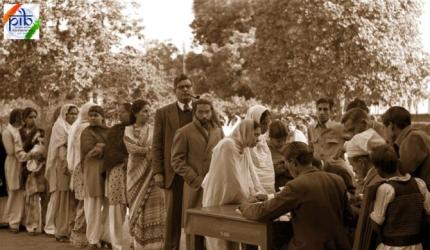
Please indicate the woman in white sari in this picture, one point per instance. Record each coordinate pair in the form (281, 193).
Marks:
(78, 237)
(231, 177)
(57, 175)
(260, 154)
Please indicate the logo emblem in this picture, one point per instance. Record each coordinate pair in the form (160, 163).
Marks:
(21, 21)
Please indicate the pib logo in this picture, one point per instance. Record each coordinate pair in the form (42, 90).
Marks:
(21, 21)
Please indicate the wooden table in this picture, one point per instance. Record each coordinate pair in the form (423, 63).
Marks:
(225, 223)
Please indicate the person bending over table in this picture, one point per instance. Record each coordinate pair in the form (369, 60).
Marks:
(316, 199)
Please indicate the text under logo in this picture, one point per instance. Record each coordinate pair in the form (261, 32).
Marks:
(21, 21)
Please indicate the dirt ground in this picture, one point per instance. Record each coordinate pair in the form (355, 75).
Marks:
(23, 241)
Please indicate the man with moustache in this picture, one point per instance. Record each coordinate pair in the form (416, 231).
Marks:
(168, 119)
(192, 152)
(318, 140)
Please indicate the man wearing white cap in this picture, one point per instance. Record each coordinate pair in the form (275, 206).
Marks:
(358, 150)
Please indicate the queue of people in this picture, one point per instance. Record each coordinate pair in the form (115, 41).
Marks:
(350, 184)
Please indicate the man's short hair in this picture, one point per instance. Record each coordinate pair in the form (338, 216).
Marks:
(384, 158)
(97, 109)
(398, 116)
(277, 129)
(201, 101)
(356, 115)
(329, 101)
(180, 78)
(298, 151)
(357, 103)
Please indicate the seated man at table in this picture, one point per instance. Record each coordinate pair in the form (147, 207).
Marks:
(317, 200)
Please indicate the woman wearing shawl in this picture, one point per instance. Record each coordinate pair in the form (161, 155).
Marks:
(14, 170)
(57, 175)
(93, 141)
(35, 182)
(231, 177)
(115, 165)
(78, 237)
(260, 154)
(146, 200)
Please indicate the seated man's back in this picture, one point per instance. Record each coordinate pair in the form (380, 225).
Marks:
(319, 206)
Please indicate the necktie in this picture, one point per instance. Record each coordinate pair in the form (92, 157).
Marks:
(187, 107)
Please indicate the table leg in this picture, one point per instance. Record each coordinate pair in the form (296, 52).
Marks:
(268, 244)
(194, 242)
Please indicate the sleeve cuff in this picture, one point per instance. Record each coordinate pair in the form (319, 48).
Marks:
(377, 219)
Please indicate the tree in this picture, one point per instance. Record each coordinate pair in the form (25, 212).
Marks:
(304, 49)
(216, 20)
(339, 49)
(130, 75)
(76, 39)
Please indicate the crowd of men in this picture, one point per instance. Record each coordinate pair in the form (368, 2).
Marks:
(356, 183)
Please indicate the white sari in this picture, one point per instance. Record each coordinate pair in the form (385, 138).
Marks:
(74, 151)
(260, 154)
(231, 177)
(59, 134)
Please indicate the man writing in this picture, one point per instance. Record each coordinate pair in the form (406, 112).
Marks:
(314, 197)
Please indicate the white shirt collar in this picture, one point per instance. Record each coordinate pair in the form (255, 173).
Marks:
(402, 178)
(181, 105)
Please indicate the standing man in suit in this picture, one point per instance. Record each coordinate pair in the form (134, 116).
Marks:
(317, 200)
(192, 152)
(168, 119)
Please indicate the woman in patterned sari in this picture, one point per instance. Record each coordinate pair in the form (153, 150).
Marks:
(146, 200)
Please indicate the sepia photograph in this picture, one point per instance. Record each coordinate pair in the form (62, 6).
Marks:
(215, 124)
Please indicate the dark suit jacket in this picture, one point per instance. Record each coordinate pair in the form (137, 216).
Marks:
(166, 124)
(414, 152)
(319, 206)
(191, 158)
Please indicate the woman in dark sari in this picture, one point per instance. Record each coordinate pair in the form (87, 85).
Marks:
(115, 164)
(93, 142)
(146, 200)
(35, 182)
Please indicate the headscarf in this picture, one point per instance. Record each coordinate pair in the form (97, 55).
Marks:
(59, 135)
(255, 112)
(74, 138)
(231, 176)
(361, 144)
(260, 154)
(243, 134)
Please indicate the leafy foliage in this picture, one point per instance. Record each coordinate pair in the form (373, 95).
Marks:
(304, 49)
(76, 39)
